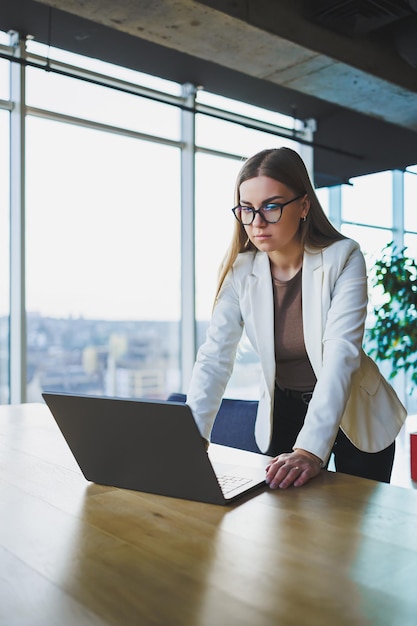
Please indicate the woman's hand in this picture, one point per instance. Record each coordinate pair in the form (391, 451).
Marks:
(294, 468)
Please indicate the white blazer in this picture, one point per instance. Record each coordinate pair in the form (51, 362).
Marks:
(350, 391)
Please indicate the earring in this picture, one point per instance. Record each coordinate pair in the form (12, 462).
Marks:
(304, 218)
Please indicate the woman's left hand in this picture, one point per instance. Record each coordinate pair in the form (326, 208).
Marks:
(294, 468)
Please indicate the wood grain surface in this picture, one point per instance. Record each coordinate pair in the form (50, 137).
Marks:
(339, 551)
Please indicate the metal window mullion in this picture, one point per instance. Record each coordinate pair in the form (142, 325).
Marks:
(306, 152)
(17, 228)
(103, 80)
(335, 206)
(401, 381)
(220, 153)
(70, 71)
(100, 126)
(188, 321)
(254, 123)
(6, 105)
(398, 208)
(7, 49)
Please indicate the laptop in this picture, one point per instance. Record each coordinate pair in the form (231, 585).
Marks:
(150, 446)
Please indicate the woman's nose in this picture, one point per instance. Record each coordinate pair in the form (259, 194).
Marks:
(259, 221)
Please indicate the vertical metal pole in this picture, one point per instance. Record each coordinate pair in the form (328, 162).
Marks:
(335, 206)
(402, 378)
(188, 322)
(307, 152)
(398, 208)
(17, 226)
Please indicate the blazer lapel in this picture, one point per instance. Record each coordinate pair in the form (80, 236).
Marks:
(312, 287)
(262, 327)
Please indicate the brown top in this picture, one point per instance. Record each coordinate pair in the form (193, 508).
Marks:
(293, 368)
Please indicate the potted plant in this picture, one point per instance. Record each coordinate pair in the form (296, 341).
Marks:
(393, 334)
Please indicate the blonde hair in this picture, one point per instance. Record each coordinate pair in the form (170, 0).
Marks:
(288, 168)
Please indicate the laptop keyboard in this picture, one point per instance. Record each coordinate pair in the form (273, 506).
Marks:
(229, 483)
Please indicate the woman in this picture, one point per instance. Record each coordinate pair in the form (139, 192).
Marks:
(299, 288)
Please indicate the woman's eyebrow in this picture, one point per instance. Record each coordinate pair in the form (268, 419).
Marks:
(264, 201)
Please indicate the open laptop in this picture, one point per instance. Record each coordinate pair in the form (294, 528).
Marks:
(148, 445)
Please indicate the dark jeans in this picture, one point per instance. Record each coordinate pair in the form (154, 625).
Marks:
(289, 414)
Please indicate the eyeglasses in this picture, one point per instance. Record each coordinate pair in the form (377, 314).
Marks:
(270, 212)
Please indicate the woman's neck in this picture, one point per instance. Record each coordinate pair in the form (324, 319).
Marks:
(285, 267)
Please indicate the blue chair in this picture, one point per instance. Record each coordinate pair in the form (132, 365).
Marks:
(234, 425)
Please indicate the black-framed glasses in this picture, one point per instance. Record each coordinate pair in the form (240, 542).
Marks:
(270, 212)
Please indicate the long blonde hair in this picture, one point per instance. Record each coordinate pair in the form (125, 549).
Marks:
(288, 168)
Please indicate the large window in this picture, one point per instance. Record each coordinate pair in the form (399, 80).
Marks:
(106, 105)
(102, 261)
(215, 187)
(4, 228)
(367, 212)
(115, 175)
(4, 71)
(103, 231)
(104, 194)
(378, 209)
(4, 257)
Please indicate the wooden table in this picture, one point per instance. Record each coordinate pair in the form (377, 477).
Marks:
(339, 551)
(401, 472)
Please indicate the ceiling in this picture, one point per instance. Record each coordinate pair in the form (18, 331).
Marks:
(351, 65)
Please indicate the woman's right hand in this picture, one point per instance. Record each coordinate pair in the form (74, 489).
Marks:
(295, 468)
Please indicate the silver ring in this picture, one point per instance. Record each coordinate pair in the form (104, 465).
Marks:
(296, 467)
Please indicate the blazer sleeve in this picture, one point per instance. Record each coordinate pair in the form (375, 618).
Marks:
(344, 307)
(215, 358)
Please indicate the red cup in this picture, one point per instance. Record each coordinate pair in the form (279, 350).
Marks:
(413, 455)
